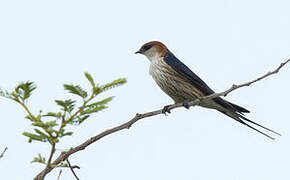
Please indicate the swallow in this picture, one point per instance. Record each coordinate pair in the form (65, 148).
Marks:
(183, 85)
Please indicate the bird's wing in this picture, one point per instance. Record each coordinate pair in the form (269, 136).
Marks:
(234, 111)
(184, 71)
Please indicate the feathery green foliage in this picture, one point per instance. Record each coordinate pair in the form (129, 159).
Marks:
(5, 94)
(113, 84)
(77, 90)
(51, 126)
(90, 79)
(24, 90)
(39, 159)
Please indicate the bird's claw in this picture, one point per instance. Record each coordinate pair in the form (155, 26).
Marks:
(185, 104)
(166, 110)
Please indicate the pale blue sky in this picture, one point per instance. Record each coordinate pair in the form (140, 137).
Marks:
(224, 42)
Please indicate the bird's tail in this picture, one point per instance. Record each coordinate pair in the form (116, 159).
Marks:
(241, 119)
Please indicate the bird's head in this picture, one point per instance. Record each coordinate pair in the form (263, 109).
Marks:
(153, 49)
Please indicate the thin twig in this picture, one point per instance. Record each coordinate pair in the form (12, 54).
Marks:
(51, 154)
(74, 166)
(234, 87)
(64, 155)
(72, 170)
(2, 154)
(58, 177)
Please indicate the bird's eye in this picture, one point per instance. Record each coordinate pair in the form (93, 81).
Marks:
(146, 47)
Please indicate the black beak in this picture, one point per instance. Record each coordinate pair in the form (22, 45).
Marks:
(138, 52)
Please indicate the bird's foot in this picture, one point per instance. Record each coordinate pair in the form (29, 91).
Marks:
(185, 104)
(166, 110)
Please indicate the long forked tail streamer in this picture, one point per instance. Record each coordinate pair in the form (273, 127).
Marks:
(248, 120)
(240, 119)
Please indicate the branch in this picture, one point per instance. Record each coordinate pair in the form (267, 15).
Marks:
(72, 166)
(2, 154)
(72, 170)
(64, 155)
(51, 154)
(58, 177)
(234, 87)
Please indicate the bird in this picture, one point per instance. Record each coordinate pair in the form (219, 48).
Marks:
(181, 84)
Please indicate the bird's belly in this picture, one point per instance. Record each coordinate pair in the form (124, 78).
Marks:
(177, 92)
(175, 86)
(181, 92)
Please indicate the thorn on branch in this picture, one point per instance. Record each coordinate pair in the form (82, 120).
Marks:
(138, 115)
(234, 86)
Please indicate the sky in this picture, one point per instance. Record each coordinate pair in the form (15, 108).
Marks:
(225, 42)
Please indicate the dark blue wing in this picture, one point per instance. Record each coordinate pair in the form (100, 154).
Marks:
(184, 71)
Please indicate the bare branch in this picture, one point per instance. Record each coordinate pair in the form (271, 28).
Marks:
(234, 87)
(58, 177)
(2, 154)
(64, 155)
(72, 170)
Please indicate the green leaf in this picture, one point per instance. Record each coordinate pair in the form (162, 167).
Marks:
(5, 94)
(90, 79)
(51, 123)
(38, 117)
(39, 124)
(42, 134)
(34, 137)
(24, 90)
(39, 159)
(81, 119)
(63, 133)
(45, 125)
(113, 84)
(52, 114)
(102, 102)
(68, 105)
(93, 110)
(75, 89)
(32, 118)
(67, 134)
